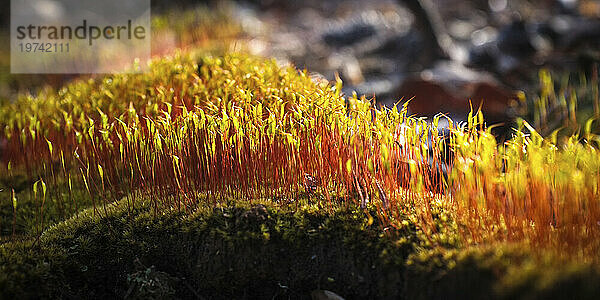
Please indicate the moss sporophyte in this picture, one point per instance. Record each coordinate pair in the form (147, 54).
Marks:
(242, 127)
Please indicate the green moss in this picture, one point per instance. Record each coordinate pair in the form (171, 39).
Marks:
(259, 251)
(498, 272)
(223, 253)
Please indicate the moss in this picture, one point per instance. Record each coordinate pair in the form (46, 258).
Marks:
(25, 271)
(227, 252)
(259, 251)
(497, 272)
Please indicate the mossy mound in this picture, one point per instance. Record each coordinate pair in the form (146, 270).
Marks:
(497, 272)
(258, 252)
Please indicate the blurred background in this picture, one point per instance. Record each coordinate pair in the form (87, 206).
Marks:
(532, 60)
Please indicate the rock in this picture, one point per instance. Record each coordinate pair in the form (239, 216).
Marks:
(427, 97)
(365, 25)
(483, 56)
(381, 87)
(484, 35)
(548, 31)
(514, 40)
(568, 5)
(460, 29)
(448, 88)
(349, 33)
(508, 52)
(405, 46)
(583, 32)
(324, 295)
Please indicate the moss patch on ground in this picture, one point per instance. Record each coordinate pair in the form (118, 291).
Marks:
(260, 251)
